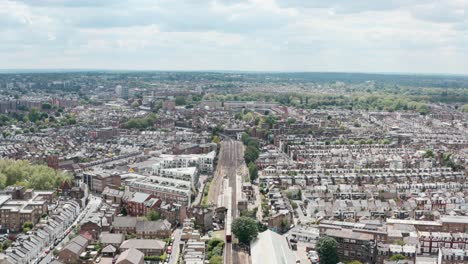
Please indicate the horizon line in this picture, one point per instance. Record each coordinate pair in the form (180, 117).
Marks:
(75, 70)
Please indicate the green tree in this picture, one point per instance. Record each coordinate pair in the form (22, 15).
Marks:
(46, 106)
(291, 121)
(6, 244)
(248, 117)
(22, 173)
(253, 171)
(354, 262)
(4, 120)
(216, 260)
(245, 229)
(180, 100)
(216, 139)
(123, 211)
(215, 247)
(34, 115)
(98, 247)
(153, 215)
(429, 154)
(271, 120)
(27, 226)
(135, 104)
(294, 205)
(400, 242)
(397, 257)
(326, 248)
(251, 154)
(464, 108)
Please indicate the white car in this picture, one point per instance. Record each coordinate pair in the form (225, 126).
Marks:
(314, 257)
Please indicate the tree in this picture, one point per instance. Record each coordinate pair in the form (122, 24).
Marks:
(4, 120)
(22, 173)
(123, 211)
(46, 106)
(6, 244)
(270, 120)
(251, 154)
(27, 226)
(284, 225)
(153, 215)
(34, 115)
(216, 139)
(397, 257)
(464, 108)
(354, 262)
(98, 247)
(253, 171)
(294, 205)
(245, 229)
(135, 104)
(326, 248)
(215, 247)
(291, 121)
(429, 154)
(216, 260)
(180, 100)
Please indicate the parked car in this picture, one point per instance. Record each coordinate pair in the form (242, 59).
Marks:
(313, 257)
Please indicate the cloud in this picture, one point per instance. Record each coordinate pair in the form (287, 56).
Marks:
(292, 35)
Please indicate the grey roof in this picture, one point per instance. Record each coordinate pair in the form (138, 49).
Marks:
(454, 219)
(109, 249)
(132, 256)
(112, 192)
(146, 226)
(108, 238)
(80, 240)
(143, 244)
(124, 221)
(74, 247)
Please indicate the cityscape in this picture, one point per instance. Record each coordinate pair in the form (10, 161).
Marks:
(233, 132)
(180, 167)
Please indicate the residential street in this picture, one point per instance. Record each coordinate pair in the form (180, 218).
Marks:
(175, 246)
(91, 207)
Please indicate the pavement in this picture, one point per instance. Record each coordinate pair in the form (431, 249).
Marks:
(303, 218)
(175, 246)
(91, 207)
(201, 182)
(301, 253)
(257, 203)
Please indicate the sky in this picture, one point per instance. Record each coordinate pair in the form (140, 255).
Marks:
(414, 36)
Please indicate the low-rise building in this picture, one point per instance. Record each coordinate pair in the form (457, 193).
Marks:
(149, 247)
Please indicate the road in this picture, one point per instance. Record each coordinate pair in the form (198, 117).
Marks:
(175, 246)
(90, 208)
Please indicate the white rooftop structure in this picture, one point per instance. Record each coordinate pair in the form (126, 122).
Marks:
(271, 248)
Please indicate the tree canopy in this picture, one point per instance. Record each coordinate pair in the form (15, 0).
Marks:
(397, 257)
(22, 173)
(253, 171)
(326, 248)
(245, 229)
(142, 123)
(180, 100)
(153, 215)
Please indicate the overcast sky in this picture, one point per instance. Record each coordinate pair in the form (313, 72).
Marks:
(421, 36)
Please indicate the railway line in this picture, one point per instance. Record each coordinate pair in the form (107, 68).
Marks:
(224, 190)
